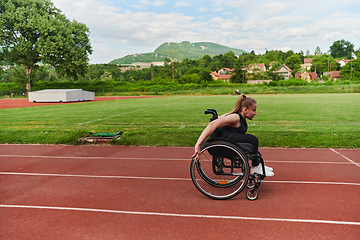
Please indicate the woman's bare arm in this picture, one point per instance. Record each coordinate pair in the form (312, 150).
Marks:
(232, 120)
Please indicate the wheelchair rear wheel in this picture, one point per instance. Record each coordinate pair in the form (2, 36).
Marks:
(222, 170)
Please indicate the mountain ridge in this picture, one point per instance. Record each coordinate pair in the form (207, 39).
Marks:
(178, 52)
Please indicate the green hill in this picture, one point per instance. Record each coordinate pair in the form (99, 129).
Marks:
(178, 51)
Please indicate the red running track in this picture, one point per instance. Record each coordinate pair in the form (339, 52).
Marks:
(119, 192)
(24, 102)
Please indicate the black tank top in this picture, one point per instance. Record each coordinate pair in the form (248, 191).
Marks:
(227, 131)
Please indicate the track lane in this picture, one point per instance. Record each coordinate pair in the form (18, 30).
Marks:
(280, 200)
(55, 224)
(189, 214)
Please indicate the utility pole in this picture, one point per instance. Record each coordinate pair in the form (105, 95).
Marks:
(152, 71)
(330, 72)
(284, 64)
(172, 70)
(243, 74)
(328, 60)
(351, 69)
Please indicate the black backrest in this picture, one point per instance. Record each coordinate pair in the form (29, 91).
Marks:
(214, 116)
(213, 112)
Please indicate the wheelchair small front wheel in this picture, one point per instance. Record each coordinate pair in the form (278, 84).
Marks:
(252, 194)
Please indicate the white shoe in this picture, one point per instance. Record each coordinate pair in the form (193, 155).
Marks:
(258, 170)
(270, 169)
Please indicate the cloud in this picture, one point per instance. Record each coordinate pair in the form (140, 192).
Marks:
(119, 29)
(202, 9)
(135, 28)
(145, 2)
(182, 4)
(276, 8)
(159, 3)
(139, 6)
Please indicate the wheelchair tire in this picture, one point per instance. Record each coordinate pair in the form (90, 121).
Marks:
(251, 194)
(220, 177)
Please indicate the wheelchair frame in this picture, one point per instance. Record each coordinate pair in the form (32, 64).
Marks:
(222, 170)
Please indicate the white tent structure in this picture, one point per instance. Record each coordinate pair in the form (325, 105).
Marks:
(61, 95)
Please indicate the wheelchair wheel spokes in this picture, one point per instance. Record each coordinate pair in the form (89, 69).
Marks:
(220, 177)
(218, 171)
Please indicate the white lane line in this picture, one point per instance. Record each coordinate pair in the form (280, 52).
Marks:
(357, 164)
(153, 159)
(306, 162)
(161, 178)
(96, 158)
(310, 182)
(184, 215)
(92, 176)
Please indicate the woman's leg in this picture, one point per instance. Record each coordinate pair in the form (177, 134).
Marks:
(248, 138)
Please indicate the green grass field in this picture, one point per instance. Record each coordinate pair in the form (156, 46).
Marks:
(304, 120)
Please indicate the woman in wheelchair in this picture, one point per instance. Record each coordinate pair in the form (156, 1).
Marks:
(233, 126)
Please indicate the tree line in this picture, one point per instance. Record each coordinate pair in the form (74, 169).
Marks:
(192, 71)
(40, 45)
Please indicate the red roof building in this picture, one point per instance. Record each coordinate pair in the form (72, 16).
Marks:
(256, 67)
(307, 76)
(343, 62)
(223, 74)
(334, 75)
(285, 71)
(307, 64)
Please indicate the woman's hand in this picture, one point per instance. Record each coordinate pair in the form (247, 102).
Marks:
(197, 152)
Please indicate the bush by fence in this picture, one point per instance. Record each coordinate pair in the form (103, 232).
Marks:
(112, 88)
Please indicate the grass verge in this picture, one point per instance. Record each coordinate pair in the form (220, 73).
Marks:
(306, 120)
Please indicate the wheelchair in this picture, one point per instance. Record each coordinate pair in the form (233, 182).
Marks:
(222, 170)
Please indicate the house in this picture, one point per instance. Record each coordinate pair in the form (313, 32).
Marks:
(343, 62)
(257, 81)
(139, 65)
(223, 74)
(256, 67)
(285, 71)
(334, 75)
(307, 64)
(307, 76)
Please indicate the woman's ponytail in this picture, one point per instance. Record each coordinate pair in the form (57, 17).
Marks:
(242, 102)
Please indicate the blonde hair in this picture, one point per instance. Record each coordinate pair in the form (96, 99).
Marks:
(242, 102)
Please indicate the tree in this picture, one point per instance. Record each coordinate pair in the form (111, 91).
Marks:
(239, 72)
(34, 31)
(167, 61)
(293, 62)
(317, 51)
(289, 53)
(229, 59)
(324, 63)
(205, 75)
(351, 70)
(341, 49)
(205, 60)
(248, 59)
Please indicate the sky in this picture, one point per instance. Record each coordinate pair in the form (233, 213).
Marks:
(122, 27)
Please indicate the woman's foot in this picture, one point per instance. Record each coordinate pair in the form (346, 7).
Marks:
(269, 168)
(258, 170)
